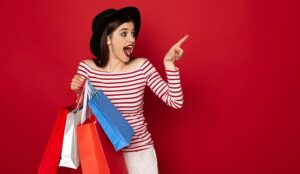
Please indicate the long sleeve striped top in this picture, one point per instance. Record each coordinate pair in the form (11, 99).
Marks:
(126, 92)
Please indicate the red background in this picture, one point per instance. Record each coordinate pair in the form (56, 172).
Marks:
(240, 76)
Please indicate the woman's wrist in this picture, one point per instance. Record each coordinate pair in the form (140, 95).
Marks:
(170, 66)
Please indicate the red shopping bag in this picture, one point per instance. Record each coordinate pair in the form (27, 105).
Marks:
(51, 156)
(97, 154)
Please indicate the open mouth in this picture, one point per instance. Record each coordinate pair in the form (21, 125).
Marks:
(128, 50)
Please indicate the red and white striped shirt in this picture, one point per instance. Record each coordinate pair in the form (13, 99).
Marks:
(126, 92)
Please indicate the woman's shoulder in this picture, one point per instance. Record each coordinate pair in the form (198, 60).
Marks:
(87, 61)
(139, 62)
(90, 63)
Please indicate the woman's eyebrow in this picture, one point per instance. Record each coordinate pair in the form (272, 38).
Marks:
(125, 29)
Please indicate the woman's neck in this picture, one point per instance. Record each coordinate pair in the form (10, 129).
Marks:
(114, 65)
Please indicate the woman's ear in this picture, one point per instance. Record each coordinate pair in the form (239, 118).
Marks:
(108, 41)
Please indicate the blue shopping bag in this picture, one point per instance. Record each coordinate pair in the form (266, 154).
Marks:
(111, 120)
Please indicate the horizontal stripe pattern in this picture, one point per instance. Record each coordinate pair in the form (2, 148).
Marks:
(126, 92)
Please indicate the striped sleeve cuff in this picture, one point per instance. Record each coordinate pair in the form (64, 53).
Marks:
(173, 76)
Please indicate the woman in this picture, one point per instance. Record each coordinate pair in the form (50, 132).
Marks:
(123, 79)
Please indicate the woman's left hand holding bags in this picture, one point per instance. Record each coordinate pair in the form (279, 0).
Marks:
(77, 83)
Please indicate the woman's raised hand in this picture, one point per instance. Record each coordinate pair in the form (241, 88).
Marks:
(76, 84)
(175, 53)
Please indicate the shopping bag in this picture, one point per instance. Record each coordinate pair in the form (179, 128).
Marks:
(97, 154)
(69, 154)
(51, 156)
(111, 120)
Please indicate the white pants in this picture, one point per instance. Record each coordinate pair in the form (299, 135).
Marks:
(141, 162)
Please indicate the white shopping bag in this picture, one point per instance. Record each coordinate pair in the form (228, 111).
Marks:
(69, 154)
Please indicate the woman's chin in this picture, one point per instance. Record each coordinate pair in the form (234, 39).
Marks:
(126, 58)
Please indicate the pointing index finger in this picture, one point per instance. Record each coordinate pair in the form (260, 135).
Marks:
(181, 40)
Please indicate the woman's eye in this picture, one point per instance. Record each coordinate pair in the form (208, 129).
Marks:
(124, 34)
(133, 34)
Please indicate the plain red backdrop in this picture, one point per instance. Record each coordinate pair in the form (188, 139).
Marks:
(240, 77)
